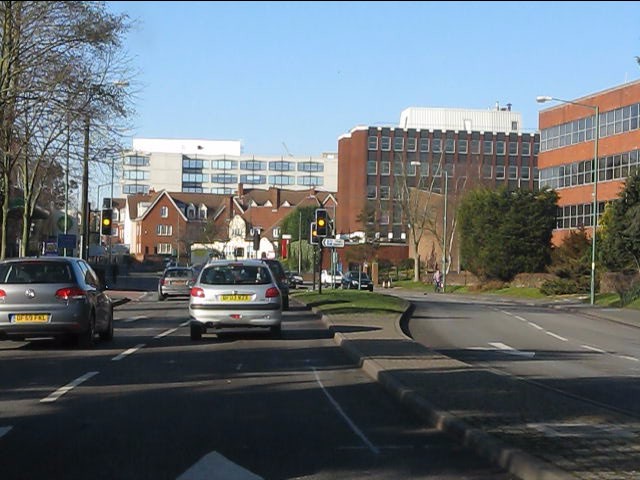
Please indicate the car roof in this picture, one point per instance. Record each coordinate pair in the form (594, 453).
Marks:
(48, 258)
(245, 261)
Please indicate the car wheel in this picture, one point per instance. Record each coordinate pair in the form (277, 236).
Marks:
(196, 332)
(107, 335)
(285, 302)
(276, 330)
(161, 297)
(87, 339)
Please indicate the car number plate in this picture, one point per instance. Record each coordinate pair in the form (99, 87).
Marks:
(179, 282)
(235, 298)
(31, 318)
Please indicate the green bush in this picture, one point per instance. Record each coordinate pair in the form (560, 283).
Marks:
(560, 286)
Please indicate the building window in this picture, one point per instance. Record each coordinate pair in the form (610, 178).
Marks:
(524, 173)
(136, 161)
(411, 144)
(373, 142)
(372, 168)
(514, 125)
(513, 173)
(164, 230)
(164, 249)
(424, 144)
(385, 168)
(310, 180)
(310, 167)
(164, 212)
(133, 189)
(487, 147)
(500, 148)
(253, 165)
(136, 175)
(526, 149)
(253, 179)
(398, 144)
(282, 180)
(224, 178)
(223, 164)
(386, 144)
(282, 166)
(475, 147)
(371, 192)
(463, 146)
(203, 213)
(191, 211)
(384, 193)
(513, 148)
(437, 145)
(500, 172)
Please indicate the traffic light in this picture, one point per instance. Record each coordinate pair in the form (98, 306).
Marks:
(322, 222)
(107, 220)
(314, 234)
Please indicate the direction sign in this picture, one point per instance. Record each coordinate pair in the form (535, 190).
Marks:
(333, 242)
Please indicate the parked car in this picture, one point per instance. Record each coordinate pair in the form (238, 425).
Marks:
(357, 280)
(176, 282)
(326, 278)
(235, 294)
(294, 279)
(281, 277)
(53, 297)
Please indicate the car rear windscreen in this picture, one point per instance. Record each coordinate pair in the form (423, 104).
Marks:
(235, 275)
(35, 272)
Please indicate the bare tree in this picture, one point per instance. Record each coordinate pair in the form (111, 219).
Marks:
(57, 58)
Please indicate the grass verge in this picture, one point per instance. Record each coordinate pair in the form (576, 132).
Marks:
(336, 302)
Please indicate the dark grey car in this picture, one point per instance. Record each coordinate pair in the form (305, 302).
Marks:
(53, 297)
(176, 282)
(357, 280)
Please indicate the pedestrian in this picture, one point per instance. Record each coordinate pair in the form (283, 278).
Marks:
(437, 280)
(114, 272)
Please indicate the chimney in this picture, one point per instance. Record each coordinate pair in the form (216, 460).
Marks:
(508, 107)
(274, 196)
(240, 189)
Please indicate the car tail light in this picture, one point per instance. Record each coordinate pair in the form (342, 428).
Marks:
(163, 281)
(3, 294)
(70, 293)
(197, 292)
(272, 292)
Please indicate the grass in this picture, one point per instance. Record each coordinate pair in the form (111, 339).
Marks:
(334, 301)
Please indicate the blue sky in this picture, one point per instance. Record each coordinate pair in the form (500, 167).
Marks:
(304, 73)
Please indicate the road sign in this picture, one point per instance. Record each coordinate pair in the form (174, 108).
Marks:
(66, 241)
(333, 242)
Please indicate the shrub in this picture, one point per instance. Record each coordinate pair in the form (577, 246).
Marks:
(560, 286)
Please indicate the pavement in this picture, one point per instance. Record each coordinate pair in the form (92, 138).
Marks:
(533, 432)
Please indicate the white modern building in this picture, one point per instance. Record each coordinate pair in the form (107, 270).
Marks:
(218, 166)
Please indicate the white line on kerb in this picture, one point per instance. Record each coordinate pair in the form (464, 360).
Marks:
(68, 387)
(184, 324)
(128, 352)
(594, 349)
(627, 357)
(352, 425)
(556, 336)
(168, 332)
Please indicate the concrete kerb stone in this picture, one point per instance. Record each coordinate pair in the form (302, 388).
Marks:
(515, 461)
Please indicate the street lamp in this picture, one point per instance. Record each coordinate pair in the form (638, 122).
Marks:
(594, 221)
(84, 250)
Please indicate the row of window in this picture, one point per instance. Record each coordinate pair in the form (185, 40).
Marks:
(251, 179)
(252, 165)
(574, 216)
(613, 167)
(613, 122)
(436, 170)
(450, 145)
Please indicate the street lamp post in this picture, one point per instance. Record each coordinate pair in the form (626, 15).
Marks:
(594, 221)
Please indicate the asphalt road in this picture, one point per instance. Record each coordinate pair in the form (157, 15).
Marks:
(591, 359)
(154, 404)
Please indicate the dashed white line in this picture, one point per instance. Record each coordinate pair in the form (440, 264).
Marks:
(168, 332)
(522, 319)
(352, 425)
(68, 387)
(627, 357)
(556, 336)
(128, 352)
(593, 349)
(510, 350)
(535, 325)
(184, 324)
(5, 430)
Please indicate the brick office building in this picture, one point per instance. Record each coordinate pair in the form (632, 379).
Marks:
(567, 133)
(471, 147)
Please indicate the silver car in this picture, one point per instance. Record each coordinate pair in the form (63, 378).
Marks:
(235, 293)
(53, 297)
(176, 282)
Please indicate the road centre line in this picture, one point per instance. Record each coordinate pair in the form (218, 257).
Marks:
(556, 336)
(68, 387)
(593, 349)
(128, 352)
(167, 332)
(352, 425)
(535, 325)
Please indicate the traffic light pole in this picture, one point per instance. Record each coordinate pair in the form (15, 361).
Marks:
(320, 270)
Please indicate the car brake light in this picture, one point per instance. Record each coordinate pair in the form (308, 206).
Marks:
(3, 294)
(272, 292)
(70, 293)
(163, 281)
(197, 292)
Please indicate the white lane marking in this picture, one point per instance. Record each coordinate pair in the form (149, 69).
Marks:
(556, 336)
(184, 324)
(239, 367)
(352, 425)
(134, 319)
(535, 325)
(68, 387)
(5, 430)
(627, 357)
(168, 332)
(506, 313)
(594, 349)
(510, 350)
(521, 318)
(214, 465)
(128, 352)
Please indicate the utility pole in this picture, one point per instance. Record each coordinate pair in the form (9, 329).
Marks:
(84, 252)
(300, 242)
